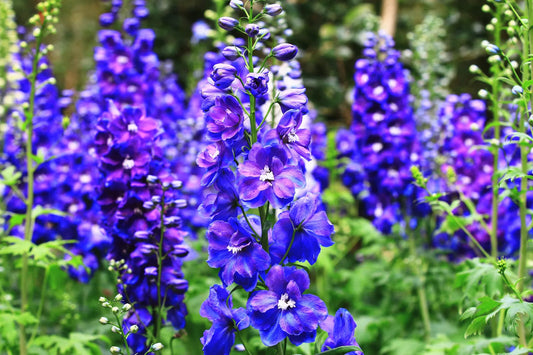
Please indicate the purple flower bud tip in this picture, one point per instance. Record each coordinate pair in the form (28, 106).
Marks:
(180, 203)
(235, 4)
(151, 179)
(264, 34)
(148, 205)
(491, 48)
(285, 51)
(273, 9)
(176, 184)
(227, 23)
(107, 19)
(230, 53)
(156, 199)
(517, 90)
(252, 30)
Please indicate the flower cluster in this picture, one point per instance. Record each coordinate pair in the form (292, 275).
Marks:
(130, 73)
(263, 211)
(464, 152)
(140, 205)
(381, 144)
(61, 181)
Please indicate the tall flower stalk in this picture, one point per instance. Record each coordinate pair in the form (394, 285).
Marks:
(265, 215)
(44, 24)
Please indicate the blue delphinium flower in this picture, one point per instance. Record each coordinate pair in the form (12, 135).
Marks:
(340, 331)
(260, 157)
(233, 249)
(283, 310)
(218, 309)
(301, 231)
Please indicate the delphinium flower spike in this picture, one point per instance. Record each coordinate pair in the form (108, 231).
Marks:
(263, 212)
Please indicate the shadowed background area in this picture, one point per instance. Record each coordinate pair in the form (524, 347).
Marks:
(328, 33)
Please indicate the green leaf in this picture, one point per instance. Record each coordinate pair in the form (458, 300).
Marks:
(15, 246)
(16, 219)
(341, 350)
(40, 210)
(479, 278)
(476, 327)
(10, 176)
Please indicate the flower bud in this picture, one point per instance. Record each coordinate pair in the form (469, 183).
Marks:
(230, 53)
(273, 9)
(251, 30)
(151, 179)
(474, 69)
(257, 83)
(227, 23)
(134, 328)
(222, 75)
(157, 347)
(491, 48)
(107, 19)
(114, 309)
(118, 297)
(103, 320)
(102, 299)
(114, 350)
(517, 90)
(126, 307)
(176, 184)
(285, 51)
(235, 4)
(115, 329)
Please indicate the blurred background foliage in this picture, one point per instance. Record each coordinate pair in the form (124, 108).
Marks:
(328, 33)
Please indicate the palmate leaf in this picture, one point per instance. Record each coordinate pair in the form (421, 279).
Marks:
(15, 246)
(479, 278)
(76, 343)
(10, 176)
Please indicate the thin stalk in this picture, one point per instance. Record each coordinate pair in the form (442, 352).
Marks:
(41, 306)
(28, 222)
(158, 315)
(243, 341)
(496, 154)
(124, 336)
(522, 263)
(421, 290)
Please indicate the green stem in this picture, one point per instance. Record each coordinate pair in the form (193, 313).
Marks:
(496, 117)
(522, 263)
(41, 306)
(158, 315)
(421, 290)
(28, 224)
(243, 341)
(124, 336)
(289, 247)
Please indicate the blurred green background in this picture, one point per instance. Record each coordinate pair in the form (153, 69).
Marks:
(328, 33)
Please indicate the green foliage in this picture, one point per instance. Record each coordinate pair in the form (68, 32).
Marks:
(479, 277)
(76, 343)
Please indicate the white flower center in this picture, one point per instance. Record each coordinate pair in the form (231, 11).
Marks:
(234, 250)
(285, 302)
(214, 154)
(132, 127)
(395, 131)
(376, 147)
(292, 137)
(378, 117)
(378, 90)
(128, 164)
(266, 174)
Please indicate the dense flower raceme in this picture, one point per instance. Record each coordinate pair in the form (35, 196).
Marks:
(258, 125)
(62, 183)
(465, 152)
(141, 208)
(381, 144)
(130, 73)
